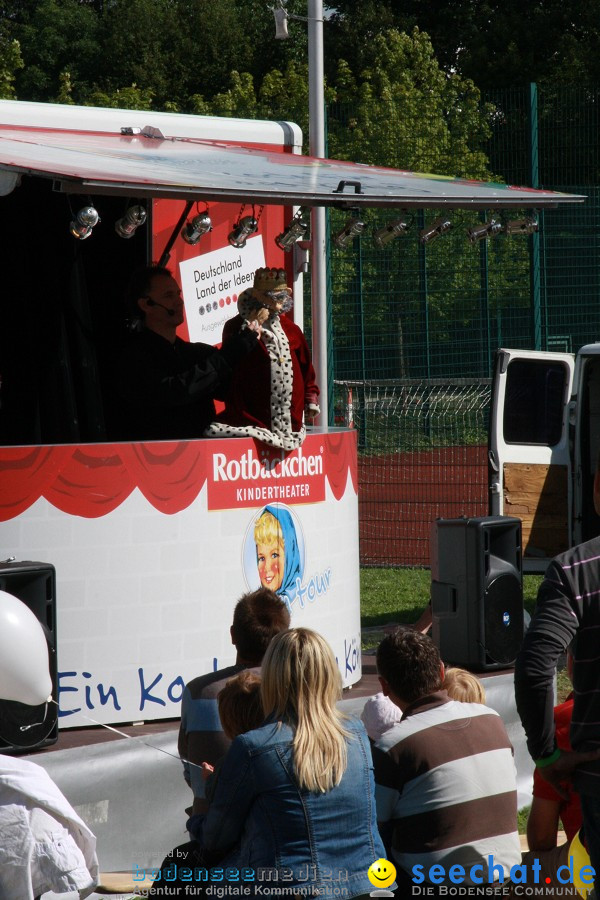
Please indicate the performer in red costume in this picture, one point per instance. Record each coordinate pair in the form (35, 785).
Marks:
(273, 389)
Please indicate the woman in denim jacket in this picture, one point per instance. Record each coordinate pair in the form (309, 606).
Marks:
(294, 800)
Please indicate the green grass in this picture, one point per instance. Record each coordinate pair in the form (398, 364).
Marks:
(522, 817)
(400, 595)
(393, 595)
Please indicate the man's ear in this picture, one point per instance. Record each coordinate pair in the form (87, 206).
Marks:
(232, 635)
(385, 686)
(142, 303)
(442, 672)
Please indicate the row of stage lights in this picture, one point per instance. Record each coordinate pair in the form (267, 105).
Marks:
(355, 227)
(87, 218)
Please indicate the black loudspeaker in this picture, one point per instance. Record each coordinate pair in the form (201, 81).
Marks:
(22, 727)
(477, 591)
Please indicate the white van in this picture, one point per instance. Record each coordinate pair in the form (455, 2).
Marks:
(544, 444)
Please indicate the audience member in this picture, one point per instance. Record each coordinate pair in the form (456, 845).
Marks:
(298, 793)
(378, 715)
(257, 618)
(567, 608)
(549, 808)
(463, 686)
(44, 845)
(294, 797)
(445, 775)
(240, 705)
(240, 710)
(166, 385)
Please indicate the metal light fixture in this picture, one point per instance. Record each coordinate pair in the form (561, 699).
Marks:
(390, 231)
(242, 231)
(193, 230)
(128, 224)
(294, 232)
(521, 226)
(82, 224)
(437, 227)
(353, 227)
(281, 17)
(484, 230)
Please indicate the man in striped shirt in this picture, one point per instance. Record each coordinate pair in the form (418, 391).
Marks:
(445, 775)
(257, 618)
(567, 607)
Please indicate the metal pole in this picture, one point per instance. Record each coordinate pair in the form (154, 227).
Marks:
(316, 130)
(534, 244)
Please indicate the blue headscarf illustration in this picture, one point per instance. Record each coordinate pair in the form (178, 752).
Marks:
(275, 526)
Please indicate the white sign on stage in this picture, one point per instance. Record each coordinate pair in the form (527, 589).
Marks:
(211, 284)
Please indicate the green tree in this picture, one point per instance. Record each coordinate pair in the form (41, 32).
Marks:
(132, 97)
(55, 36)
(496, 43)
(403, 110)
(10, 63)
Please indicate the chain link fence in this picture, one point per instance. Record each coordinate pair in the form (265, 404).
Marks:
(415, 327)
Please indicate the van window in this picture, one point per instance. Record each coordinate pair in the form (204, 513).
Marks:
(534, 402)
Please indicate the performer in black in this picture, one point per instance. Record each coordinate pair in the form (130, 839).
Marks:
(166, 385)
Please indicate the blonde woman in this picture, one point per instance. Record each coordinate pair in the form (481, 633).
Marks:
(296, 796)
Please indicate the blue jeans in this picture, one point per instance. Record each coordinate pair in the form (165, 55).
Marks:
(590, 807)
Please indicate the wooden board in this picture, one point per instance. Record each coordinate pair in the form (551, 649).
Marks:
(538, 495)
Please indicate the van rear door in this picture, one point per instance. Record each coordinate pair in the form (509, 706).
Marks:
(529, 454)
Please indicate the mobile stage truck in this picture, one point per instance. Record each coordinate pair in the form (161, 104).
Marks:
(152, 543)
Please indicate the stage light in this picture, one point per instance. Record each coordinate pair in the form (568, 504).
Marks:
(521, 226)
(242, 231)
(82, 224)
(439, 226)
(193, 230)
(353, 227)
(128, 224)
(390, 231)
(484, 230)
(295, 231)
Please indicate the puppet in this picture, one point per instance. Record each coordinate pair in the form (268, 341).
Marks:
(273, 390)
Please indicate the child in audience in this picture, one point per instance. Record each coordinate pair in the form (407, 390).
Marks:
(463, 686)
(240, 710)
(380, 714)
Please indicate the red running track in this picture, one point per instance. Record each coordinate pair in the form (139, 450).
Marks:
(401, 494)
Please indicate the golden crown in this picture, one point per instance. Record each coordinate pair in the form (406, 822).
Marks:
(270, 280)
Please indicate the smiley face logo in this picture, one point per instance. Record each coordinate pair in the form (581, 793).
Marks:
(381, 873)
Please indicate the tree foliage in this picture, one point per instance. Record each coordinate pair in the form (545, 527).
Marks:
(402, 89)
(496, 43)
(10, 63)
(404, 111)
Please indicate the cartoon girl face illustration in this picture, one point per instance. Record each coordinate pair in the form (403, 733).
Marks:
(270, 551)
(278, 551)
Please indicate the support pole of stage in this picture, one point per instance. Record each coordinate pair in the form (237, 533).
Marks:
(316, 114)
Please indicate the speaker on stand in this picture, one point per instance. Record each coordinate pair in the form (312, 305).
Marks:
(477, 591)
(23, 727)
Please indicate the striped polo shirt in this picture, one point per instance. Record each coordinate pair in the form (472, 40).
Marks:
(568, 604)
(201, 736)
(446, 779)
